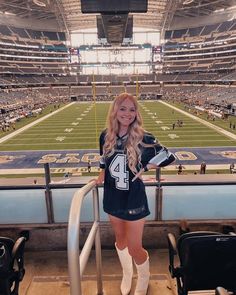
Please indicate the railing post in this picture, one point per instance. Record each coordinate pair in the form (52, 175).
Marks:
(48, 194)
(47, 173)
(159, 195)
(158, 175)
(98, 242)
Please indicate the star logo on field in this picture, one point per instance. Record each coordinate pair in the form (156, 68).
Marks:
(173, 136)
(60, 138)
(165, 128)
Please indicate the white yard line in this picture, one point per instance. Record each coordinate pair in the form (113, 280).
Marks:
(9, 136)
(218, 129)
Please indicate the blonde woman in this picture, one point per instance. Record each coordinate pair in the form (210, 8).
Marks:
(126, 151)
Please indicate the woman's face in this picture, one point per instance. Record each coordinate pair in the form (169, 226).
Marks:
(126, 113)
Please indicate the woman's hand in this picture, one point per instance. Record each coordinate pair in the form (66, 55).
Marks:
(101, 177)
(148, 167)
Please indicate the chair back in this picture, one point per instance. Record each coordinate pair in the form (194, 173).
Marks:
(11, 265)
(207, 260)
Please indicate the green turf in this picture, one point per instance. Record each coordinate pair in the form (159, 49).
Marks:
(75, 128)
(159, 119)
(225, 124)
(25, 121)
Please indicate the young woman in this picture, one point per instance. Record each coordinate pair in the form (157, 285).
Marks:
(126, 151)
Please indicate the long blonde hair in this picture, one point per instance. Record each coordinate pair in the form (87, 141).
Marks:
(135, 132)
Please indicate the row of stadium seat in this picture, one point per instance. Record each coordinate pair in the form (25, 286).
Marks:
(201, 30)
(31, 34)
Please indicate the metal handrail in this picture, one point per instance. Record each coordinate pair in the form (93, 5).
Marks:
(76, 261)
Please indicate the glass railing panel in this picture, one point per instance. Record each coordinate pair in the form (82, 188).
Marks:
(23, 206)
(61, 199)
(199, 202)
(151, 195)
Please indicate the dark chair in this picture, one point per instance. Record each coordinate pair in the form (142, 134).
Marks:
(206, 260)
(11, 265)
(221, 291)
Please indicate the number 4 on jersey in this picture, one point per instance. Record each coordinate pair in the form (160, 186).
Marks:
(118, 171)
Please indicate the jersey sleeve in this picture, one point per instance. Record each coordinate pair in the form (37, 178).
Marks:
(163, 157)
(101, 144)
(149, 138)
(155, 153)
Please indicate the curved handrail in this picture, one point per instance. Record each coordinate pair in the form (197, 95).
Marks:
(76, 261)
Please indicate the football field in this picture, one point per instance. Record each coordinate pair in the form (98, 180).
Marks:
(79, 125)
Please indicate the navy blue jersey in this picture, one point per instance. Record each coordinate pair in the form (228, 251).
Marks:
(122, 197)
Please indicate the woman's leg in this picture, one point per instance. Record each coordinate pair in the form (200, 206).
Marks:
(134, 233)
(119, 227)
(140, 255)
(130, 233)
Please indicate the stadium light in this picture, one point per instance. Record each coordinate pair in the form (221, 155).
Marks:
(186, 2)
(41, 3)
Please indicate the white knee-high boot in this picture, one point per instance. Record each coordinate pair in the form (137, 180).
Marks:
(127, 266)
(143, 278)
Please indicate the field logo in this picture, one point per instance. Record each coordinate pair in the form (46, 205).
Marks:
(165, 128)
(226, 154)
(185, 156)
(7, 158)
(173, 135)
(60, 138)
(69, 158)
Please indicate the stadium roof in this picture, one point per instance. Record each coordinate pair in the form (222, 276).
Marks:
(159, 16)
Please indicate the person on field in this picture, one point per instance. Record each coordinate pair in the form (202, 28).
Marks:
(89, 166)
(203, 168)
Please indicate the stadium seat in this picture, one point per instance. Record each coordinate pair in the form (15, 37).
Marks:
(11, 264)
(206, 260)
(221, 291)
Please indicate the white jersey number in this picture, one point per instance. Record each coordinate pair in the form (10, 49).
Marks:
(118, 170)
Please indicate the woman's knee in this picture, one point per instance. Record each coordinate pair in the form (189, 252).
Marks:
(135, 251)
(121, 240)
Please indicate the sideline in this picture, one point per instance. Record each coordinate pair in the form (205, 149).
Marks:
(9, 136)
(79, 170)
(218, 129)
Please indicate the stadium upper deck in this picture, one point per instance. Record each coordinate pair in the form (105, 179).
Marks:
(209, 48)
(39, 57)
(34, 56)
